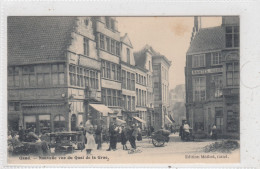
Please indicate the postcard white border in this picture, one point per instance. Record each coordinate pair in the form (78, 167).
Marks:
(249, 51)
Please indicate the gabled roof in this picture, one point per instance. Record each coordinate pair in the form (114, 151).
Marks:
(208, 39)
(125, 39)
(36, 39)
(140, 56)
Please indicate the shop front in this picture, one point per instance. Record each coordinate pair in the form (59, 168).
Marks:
(45, 118)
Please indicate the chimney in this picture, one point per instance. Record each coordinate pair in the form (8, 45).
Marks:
(196, 26)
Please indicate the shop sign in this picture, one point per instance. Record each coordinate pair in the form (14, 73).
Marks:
(207, 71)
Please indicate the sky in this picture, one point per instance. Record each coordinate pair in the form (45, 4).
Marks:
(168, 35)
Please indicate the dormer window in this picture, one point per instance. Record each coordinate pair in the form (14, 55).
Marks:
(232, 36)
(110, 23)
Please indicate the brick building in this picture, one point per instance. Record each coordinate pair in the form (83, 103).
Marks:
(212, 78)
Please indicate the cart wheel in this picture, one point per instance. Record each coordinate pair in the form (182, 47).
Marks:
(157, 143)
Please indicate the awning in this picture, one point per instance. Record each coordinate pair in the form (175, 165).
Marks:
(119, 121)
(138, 119)
(102, 109)
(168, 119)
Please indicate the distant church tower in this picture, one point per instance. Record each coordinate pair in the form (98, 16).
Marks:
(196, 27)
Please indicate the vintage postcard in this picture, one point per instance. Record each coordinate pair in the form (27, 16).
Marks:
(111, 89)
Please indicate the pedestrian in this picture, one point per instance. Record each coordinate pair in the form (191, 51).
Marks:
(214, 132)
(98, 133)
(90, 138)
(124, 137)
(21, 134)
(113, 130)
(139, 134)
(132, 136)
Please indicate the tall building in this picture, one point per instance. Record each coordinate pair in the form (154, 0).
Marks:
(212, 78)
(158, 68)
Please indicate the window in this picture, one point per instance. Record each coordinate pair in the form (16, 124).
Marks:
(114, 98)
(83, 77)
(112, 23)
(45, 123)
(14, 106)
(132, 81)
(137, 97)
(128, 81)
(103, 72)
(149, 65)
(13, 76)
(219, 118)
(232, 121)
(118, 72)
(124, 102)
(102, 41)
(198, 60)
(111, 97)
(107, 22)
(233, 74)
(217, 85)
(140, 97)
(30, 122)
(58, 76)
(128, 55)
(232, 36)
(108, 70)
(86, 46)
(103, 94)
(145, 81)
(215, 58)
(129, 103)
(43, 75)
(117, 48)
(199, 88)
(59, 123)
(86, 21)
(136, 78)
(133, 103)
(123, 79)
(29, 76)
(108, 44)
(113, 47)
(113, 74)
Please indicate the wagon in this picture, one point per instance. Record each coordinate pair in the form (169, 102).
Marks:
(66, 142)
(160, 137)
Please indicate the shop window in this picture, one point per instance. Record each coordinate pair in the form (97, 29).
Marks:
(199, 88)
(59, 123)
(30, 122)
(232, 121)
(45, 123)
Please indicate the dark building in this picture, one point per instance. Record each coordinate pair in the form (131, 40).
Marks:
(212, 78)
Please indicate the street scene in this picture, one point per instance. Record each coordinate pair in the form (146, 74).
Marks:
(114, 90)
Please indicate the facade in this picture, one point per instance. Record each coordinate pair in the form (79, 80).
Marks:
(157, 67)
(63, 71)
(51, 76)
(212, 78)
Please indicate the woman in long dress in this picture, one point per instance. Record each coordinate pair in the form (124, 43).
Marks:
(91, 144)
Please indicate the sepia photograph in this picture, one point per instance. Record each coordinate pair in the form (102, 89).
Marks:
(128, 90)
